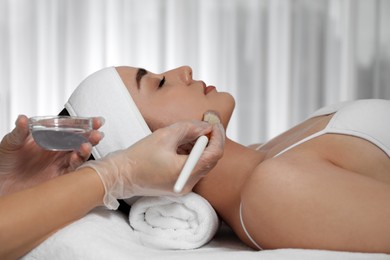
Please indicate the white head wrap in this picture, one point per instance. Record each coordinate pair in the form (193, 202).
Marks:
(104, 94)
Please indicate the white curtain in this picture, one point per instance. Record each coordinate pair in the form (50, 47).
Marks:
(280, 59)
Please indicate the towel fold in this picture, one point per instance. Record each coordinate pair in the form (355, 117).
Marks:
(184, 222)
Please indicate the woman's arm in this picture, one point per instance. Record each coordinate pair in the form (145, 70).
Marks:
(28, 217)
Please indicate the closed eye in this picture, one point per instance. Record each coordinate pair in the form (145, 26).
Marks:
(161, 82)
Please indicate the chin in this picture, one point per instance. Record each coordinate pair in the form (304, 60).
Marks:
(227, 108)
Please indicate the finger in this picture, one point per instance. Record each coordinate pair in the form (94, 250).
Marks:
(214, 150)
(97, 122)
(17, 137)
(75, 160)
(84, 151)
(217, 137)
(95, 137)
(185, 148)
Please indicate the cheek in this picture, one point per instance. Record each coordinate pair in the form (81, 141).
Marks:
(163, 114)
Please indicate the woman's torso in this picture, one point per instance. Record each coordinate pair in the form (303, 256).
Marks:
(353, 136)
(349, 150)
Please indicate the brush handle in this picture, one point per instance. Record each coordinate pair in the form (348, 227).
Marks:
(189, 165)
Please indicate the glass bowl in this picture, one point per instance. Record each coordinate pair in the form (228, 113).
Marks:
(60, 133)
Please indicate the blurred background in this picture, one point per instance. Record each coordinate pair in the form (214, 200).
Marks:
(280, 59)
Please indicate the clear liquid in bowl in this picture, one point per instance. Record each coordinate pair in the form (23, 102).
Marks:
(60, 139)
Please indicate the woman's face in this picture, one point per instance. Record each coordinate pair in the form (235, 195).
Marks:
(166, 98)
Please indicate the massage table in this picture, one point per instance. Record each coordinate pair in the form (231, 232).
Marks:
(106, 234)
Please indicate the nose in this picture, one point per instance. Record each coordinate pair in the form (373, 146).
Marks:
(185, 74)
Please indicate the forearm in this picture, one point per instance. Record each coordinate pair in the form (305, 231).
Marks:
(30, 216)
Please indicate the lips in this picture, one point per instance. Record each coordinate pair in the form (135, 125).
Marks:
(208, 89)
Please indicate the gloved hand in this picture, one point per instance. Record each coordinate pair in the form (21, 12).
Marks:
(23, 163)
(151, 166)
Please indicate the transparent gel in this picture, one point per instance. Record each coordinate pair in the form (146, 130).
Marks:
(60, 133)
(60, 139)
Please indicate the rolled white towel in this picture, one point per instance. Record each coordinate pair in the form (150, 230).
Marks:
(184, 222)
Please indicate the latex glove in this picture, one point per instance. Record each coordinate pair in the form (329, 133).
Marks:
(151, 166)
(23, 163)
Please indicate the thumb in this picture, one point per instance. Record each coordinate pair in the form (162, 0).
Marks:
(16, 138)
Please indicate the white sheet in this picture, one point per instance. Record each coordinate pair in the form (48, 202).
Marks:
(105, 234)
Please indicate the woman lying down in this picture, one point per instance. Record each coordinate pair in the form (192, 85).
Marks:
(323, 184)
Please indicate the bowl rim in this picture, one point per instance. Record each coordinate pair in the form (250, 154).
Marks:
(85, 123)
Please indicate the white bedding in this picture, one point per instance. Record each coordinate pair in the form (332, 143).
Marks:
(104, 234)
(174, 222)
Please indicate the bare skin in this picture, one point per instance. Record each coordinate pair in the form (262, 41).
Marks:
(328, 193)
(331, 192)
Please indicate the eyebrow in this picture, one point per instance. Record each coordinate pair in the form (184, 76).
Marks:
(140, 73)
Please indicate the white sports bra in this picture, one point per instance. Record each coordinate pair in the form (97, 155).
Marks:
(367, 118)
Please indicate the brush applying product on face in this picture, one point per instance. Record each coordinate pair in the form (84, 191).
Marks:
(195, 154)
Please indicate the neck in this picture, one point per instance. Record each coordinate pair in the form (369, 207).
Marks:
(222, 186)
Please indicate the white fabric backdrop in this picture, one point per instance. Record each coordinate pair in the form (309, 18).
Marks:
(281, 59)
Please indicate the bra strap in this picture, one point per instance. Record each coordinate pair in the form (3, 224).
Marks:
(246, 232)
